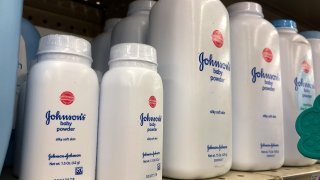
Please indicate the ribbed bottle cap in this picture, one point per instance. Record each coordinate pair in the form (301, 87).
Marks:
(140, 5)
(311, 34)
(68, 44)
(133, 51)
(110, 23)
(284, 23)
(245, 7)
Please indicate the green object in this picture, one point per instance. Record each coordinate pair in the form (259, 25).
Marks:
(308, 128)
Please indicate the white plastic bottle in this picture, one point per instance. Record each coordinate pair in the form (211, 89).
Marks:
(256, 90)
(61, 112)
(192, 41)
(314, 40)
(101, 48)
(130, 117)
(297, 86)
(134, 28)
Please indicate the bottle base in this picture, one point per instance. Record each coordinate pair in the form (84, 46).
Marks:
(194, 173)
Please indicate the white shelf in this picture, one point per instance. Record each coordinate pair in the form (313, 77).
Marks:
(285, 173)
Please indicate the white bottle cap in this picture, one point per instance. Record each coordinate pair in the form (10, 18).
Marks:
(245, 7)
(133, 51)
(110, 23)
(57, 43)
(140, 5)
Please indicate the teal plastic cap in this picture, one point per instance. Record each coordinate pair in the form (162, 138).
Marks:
(308, 128)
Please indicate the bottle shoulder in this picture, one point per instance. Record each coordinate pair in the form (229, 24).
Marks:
(61, 67)
(253, 27)
(105, 36)
(132, 20)
(133, 74)
(293, 38)
(250, 20)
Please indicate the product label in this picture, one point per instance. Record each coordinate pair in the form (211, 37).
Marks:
(67, 97)
(217, 38)
(65, 120)
(152, 129)
(217, 153)
(269, 150)
(218, 67)
(266, 79)
(304, 86)
(214, 72)
(267, 55)
(67, 129)
(152, 101)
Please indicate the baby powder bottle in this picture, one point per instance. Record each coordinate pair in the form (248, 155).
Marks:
(101, 48)
(61, 112)
(256, 90)
(314, 40)
(131, 115)
(192, 41)
(133, 28)
(297, 86)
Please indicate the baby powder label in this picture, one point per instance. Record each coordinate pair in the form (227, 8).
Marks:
(217, 153)
(304, 85)
(65, 125)
(207, 61)
(267, 55)
(150, 121)
(269, 150)
(218, 68)
(262, 77)
(217, 38)
(152, 101)
(67, 97)
(214, 72)
(266, 85)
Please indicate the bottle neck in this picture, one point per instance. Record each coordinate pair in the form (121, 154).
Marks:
(132, 63)
(142, 12)
(246, 9)
(287, 30)
(247, 13)
(65, 58)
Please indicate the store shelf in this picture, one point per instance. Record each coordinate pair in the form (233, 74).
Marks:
(285, 173)
(86, 17)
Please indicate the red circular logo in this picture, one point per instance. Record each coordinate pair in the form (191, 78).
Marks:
(67, 97)
(152, 101)
(217, 38)
(267, 55)
(306, 66)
